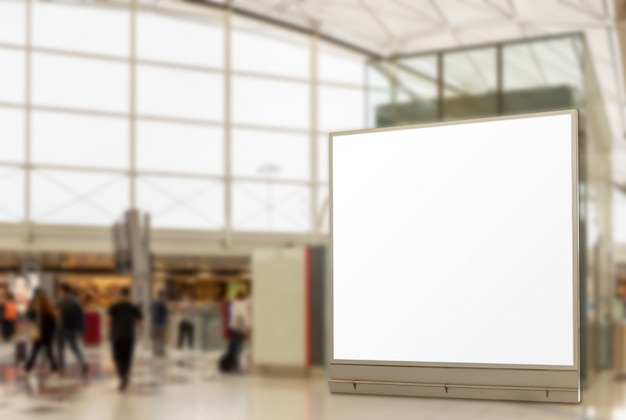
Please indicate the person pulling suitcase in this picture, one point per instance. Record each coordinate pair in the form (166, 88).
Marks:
(240, 324)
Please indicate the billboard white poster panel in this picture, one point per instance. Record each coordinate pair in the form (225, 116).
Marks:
(454, 246)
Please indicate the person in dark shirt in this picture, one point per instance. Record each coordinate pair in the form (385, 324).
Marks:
(123, 319)
(71, 326)
(159, 324)
(41, 314)
(185, 327)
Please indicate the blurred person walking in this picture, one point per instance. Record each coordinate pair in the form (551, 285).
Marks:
(159, 317)
(8, 312)
(71, 327)
(187, 312)
(123, 318)
(42, 316)
(240, 323)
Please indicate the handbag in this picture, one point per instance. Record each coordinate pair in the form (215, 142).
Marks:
(35, 330)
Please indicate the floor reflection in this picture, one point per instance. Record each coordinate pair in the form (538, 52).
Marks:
(188, 387)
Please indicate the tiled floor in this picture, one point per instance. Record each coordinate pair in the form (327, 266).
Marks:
(192, 390)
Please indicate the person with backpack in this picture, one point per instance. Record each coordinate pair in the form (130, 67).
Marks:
(71, 327)
(240, 323)
(9, 317)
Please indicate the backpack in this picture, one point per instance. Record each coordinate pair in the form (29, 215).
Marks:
(10, 311)
(75, 319)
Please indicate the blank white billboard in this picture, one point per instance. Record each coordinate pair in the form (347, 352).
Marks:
(456, 243)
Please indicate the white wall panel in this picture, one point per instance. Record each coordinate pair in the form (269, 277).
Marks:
(278, 276)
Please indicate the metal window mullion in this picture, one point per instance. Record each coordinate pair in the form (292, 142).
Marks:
(157, 173)
(313, 161)
(180, 66)
(499, 79)
(368, 91)
(27, 116)
(354, 86)
(77, 168)
(440, 86)
(132, 163)
(270, 128)
(227, 126)
(155, 118)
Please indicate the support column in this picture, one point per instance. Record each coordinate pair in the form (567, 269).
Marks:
(27, 125)
(314, 130)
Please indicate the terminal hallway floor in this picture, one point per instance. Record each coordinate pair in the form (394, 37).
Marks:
(186, 387)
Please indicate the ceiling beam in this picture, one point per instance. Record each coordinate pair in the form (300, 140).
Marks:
(307, 30)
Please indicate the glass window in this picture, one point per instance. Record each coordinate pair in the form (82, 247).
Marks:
(470, 82)
(12, 137)
(520, 69)
(562, 61)
(80, 198)
(341, 109)
(378, 104)
(12, 22)
(271, 103)
(66, 139)
(188, 9)
(417, 77)
(471, 71)
(411, 93)
(79, 83)
(182, 202)
(261, 48)
(271, 206)
(179, 39)
(378, 95)
(542, 75)
(12, 193)
(179, 93)
(12, 75)
(542, 63)
(341, 66)
(271, 155)
(378, 76)
(180, 148)
(81, 27)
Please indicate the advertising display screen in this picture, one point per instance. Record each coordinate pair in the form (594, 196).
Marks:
(456, 244)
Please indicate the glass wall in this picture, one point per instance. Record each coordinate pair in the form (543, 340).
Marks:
(504, 78)
(205, 119)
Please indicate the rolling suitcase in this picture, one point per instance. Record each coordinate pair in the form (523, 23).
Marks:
(227, 363)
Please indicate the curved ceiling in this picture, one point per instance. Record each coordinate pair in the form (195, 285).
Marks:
(388, 27)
